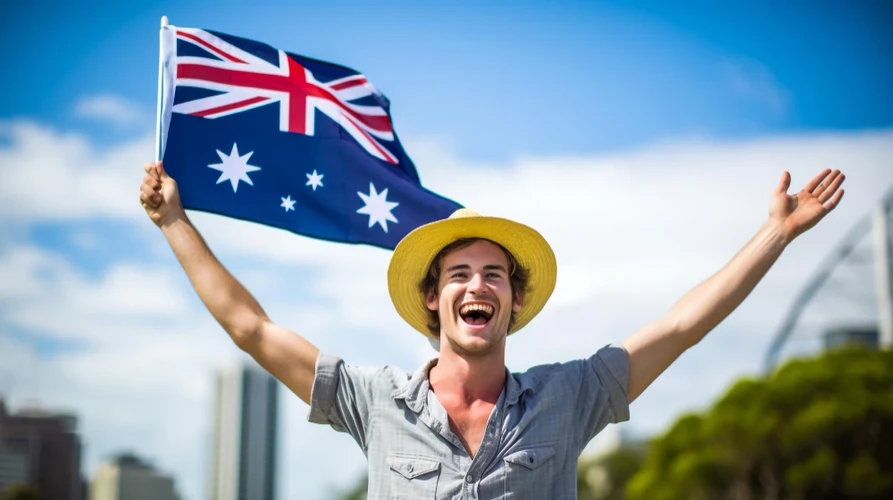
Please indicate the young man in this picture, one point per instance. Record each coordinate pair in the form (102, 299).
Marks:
(462, 426)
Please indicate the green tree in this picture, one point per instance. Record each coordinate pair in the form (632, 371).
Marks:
(605, 477)
(817, 428)
(22, 492)
(357, 491)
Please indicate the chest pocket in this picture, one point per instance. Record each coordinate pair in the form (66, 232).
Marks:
(530, 473)
(413, 477)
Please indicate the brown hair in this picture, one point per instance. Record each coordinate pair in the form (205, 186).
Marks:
(518, 277)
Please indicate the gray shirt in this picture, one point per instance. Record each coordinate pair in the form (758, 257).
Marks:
(535, 434)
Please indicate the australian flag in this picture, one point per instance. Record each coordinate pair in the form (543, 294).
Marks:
(256, 133)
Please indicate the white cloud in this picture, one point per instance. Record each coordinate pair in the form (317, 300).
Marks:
(36, 281)
(632, 233)
(48, 175)
(111, 108)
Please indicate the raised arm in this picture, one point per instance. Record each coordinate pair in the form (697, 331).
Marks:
(286, 355)
(654, 347)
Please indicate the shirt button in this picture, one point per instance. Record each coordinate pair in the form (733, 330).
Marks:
(469, 478)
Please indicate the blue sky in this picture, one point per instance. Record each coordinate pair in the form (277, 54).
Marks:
(510, 78)
(649, 134)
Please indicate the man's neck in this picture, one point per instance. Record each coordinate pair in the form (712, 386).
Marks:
(469, 378)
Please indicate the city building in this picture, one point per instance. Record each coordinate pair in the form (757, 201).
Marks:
(42, 449)
(243, 455)
(129, 478)
(853, 335)
(13, 468)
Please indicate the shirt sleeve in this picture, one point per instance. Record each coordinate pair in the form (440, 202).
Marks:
(342, 396)
(602, 398)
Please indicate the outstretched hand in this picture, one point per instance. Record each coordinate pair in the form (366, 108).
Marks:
(798, 213)
(159, 195)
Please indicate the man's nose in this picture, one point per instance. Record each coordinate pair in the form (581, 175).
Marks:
(476, 284)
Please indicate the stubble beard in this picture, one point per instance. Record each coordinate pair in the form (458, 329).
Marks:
(498, 332)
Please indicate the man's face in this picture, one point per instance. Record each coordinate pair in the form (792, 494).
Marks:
(474, 298)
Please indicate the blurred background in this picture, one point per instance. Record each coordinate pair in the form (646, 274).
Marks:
(643, 140)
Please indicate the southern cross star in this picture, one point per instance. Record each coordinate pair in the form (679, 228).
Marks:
(234, 168)
(314, 180)
(288, 203)
(377, 207)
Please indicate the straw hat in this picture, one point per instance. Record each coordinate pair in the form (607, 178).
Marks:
(413, 256)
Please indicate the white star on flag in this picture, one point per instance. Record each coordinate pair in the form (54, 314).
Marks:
(377, 207)
(314, 179)
(234, 168)
(288, 203)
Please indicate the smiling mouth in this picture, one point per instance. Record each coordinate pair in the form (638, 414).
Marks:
(476, 314)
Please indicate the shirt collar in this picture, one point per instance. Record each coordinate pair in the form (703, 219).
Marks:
(516, 387)
(415, 392)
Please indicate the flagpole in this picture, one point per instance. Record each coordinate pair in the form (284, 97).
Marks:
(158, 117)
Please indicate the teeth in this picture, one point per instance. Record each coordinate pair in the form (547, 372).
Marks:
(484, 308)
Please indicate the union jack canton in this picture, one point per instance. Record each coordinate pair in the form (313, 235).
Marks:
(256, 133)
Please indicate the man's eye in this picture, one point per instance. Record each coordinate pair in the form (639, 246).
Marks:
(493, 275)
(459, 275)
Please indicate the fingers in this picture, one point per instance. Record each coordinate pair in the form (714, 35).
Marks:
(161, 171)
(834, 201)
(817, 180)
(785, 183)
(146, 201)
(149, 196)
(151, 170)
(827, 188)
(156, 170)
(150, 189)
(152, 182)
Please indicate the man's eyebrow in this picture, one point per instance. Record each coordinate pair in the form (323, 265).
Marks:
(457, 267)
(498, 267)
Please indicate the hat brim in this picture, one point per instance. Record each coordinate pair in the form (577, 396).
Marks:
(414, 254)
